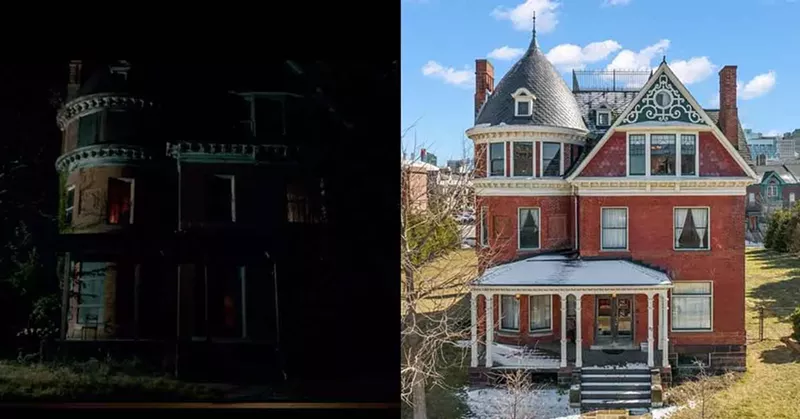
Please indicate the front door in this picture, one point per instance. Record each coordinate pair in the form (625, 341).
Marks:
(614, 316)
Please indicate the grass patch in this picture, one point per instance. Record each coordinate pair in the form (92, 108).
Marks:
(455, 270)
(771, 386)
(92, 381)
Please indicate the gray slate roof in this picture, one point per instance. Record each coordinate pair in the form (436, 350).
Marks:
(554, 105)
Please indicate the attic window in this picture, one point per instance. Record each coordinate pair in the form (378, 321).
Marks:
(523, 102)
(603, 118)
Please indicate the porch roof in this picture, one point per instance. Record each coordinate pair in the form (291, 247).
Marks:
(563, 271)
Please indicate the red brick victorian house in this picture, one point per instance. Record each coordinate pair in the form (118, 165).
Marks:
(613, 214)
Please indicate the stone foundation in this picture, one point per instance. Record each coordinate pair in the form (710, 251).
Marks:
(565, 376)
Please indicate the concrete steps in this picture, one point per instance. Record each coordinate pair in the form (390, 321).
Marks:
(604, 388)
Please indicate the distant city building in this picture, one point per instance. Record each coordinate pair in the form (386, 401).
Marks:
(460, 166)
(426, 157)
(763, 148)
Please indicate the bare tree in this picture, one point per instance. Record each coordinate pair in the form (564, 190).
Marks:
(433, 278)
(698, 393)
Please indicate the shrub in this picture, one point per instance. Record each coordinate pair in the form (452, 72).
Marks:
(430, 236)
(795, 319)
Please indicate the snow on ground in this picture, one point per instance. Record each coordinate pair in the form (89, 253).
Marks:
(748, 243)
(496, 403)
(628, 366)
(507, 355)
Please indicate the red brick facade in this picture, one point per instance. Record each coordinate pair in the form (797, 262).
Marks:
(610, 159)
(715, 160)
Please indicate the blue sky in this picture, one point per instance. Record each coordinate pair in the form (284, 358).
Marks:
(441, 39)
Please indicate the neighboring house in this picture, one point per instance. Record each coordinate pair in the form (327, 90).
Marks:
(609, 221)
(192, 216)
(779, 188)
(418, 184)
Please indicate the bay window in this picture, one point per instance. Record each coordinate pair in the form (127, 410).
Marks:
(522, 158)
(509, 313)
(692, 306)
(551, 159)
(539, 313)
(691, 228)
(497, 159)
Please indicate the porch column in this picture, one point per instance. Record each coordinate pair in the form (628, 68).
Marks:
(665, 329)
(489, 327)
(473, 305)
(578, 340)
(563, 330)
(650, 362)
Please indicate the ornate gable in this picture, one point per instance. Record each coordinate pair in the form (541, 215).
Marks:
(663, 102)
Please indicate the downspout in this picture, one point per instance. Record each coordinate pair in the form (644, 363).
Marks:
(575, 224)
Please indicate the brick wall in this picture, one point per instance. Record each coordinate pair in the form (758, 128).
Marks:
(609, 160)
(714, 159)
(556, 214)
(651, 236)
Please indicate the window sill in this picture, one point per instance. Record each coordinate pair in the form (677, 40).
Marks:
(691, 250)
(540, 333)
(692, 331)
(524, 250)
(616, 250)
(507, 333)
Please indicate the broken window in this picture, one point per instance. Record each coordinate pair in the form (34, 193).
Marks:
(120, 201)
(221, 199)
(91, 280)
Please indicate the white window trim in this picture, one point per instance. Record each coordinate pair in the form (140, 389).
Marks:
(627, 230)
(70, 188)
(233, 194)
(791, 197)
(523, 95)
(500, 313)
(647, 163)
(533, 158)
(604, 112)
(674, 239)
(538, 222)
(751, 196)
(770, 190)
(489, 159)
(672, 309)
(560, 160)
(539, 332)
(484, 222)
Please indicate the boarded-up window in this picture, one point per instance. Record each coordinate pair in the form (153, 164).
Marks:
(502, 226)
(557, 228)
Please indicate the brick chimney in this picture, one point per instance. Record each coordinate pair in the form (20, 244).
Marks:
(728, 111)
(484, 82)
(422, 154)
(74, 82)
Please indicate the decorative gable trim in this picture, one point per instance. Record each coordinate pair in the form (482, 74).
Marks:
(773, 174)
(664, 69)
(523, 93)
(663, 102)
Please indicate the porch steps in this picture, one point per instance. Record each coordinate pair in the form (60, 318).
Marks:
(610, 388)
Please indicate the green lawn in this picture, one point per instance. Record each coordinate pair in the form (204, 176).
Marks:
(771, 386)
(455, 269)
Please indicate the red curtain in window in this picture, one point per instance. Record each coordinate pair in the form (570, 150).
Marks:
(119, 201)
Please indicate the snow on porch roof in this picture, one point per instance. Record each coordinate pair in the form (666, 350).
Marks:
(560, 270)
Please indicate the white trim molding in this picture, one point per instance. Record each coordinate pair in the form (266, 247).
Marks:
(672, 308)
(538, 225)
(627, 230)
(661, 186)
(485, 134)
(489, 159)
(497, 186)
(103, 155)
(85, 105)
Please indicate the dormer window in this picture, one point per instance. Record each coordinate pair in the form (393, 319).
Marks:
(603, 118)
(523, 102)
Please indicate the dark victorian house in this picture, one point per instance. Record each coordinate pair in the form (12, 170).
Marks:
(194, 222)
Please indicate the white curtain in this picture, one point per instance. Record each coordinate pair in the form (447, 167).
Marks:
(615, 228)
(691, 312)
(540, 312)
(509, 312)
(680, 219)
(700, 216)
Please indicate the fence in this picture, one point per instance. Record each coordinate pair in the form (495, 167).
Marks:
(772, 322)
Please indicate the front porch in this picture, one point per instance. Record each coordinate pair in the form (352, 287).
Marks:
(564, 314)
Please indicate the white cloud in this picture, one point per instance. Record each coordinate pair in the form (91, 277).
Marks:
(448, 74)
(568, 56)
(692, 70)
(521, 16)
(616, 2)
(629, 60)
(758, 86)
(506, 53)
